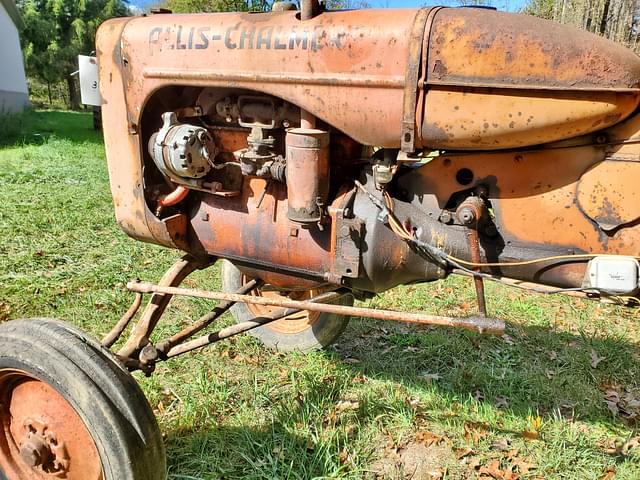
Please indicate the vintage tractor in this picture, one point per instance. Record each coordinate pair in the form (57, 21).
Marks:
(329, 156)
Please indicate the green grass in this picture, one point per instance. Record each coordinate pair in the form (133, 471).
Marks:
(238, 411)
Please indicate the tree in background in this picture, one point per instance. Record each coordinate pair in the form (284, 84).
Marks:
(617, 20)
(208, 6)
(197, 6)
(56, 32)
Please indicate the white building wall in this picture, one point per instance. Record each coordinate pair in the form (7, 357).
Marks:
(14, 94)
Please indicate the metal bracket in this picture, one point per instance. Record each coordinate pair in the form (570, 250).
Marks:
(348, 246)
(422, 22)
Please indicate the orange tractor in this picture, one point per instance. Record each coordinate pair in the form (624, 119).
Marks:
(328, 156)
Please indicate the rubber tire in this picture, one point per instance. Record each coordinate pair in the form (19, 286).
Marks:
(102, 392)
(325, 331)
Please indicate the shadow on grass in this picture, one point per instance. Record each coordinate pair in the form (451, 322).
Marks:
(36, 127)
(530, 371)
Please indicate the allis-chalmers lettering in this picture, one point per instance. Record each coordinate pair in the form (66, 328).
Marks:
(238, 37)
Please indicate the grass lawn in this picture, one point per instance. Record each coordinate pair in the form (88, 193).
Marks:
(557, 397)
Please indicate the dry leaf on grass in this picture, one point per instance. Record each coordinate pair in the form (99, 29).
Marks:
(609, 473)
(428, 438)
(595, 359)
(475, 431)
(523, 466)
(493, 470)
(529, 435)
(630, 446)
(343, 405)
(462, 452)
(623, 401)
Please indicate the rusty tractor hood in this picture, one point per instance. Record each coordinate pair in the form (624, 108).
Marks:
(469, 47)
(453, 78)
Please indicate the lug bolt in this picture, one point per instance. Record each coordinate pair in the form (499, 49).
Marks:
(35, 452)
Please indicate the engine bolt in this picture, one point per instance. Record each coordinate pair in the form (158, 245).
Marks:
(466, 216)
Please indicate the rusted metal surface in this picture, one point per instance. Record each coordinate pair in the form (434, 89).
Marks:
(41, 435)
(206, 320)
(478, 324)
(501, 87)
(308, 9)
(266, 318)
(158, 303)
(261, 236)
(533, 196)
(470, 212)
(484, 48)
(349, 69)
(415, 56)
(307, 174)
(483, 119)
(608, 194)
(115, 333)
(291, 323)
(275, 53)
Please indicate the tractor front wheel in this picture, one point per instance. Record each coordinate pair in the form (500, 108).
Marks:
(68, 409)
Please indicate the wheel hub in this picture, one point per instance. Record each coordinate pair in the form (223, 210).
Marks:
(41, 449)
(41, 434)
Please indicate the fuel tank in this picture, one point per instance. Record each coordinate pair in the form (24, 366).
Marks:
(448, 78)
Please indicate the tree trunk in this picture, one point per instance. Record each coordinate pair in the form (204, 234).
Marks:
(49, 92)
(605, 17)
(74, 98)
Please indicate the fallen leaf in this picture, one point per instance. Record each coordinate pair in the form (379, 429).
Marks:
(344, 456)
(523, 466)
(343, 405)
(462, 452)
(428, 438)
(608, 474)
(474, 431)
(493, 470)
(595, 359)
(611, 399)
(629, 446)
(529, 435)
(351, 361)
